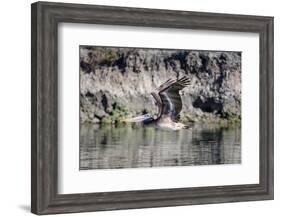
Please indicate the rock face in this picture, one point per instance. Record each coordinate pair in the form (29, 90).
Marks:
(117, 82)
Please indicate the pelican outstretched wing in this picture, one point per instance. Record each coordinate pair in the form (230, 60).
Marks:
(157, 97)
(168, 98)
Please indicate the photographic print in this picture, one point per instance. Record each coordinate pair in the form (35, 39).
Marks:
(148, 107)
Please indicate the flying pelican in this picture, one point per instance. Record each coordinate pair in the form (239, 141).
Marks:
(169, 104)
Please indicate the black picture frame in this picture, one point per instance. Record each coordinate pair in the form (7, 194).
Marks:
(45, 17)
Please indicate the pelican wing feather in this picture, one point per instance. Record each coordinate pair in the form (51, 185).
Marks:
(157, 97)
(171, 103)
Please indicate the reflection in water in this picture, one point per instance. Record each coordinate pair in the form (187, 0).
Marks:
(136, 146)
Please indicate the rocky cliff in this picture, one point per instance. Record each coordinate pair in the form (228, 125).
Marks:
(117, 82)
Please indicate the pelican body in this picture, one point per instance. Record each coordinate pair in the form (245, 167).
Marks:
(169, 103)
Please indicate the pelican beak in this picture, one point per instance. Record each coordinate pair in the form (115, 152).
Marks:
(137, 119)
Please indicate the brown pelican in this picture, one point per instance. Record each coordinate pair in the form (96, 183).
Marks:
(169, 104)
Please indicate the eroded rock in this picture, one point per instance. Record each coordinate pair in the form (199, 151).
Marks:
(123, 78)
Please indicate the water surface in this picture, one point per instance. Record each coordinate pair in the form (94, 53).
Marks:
(109, 147)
